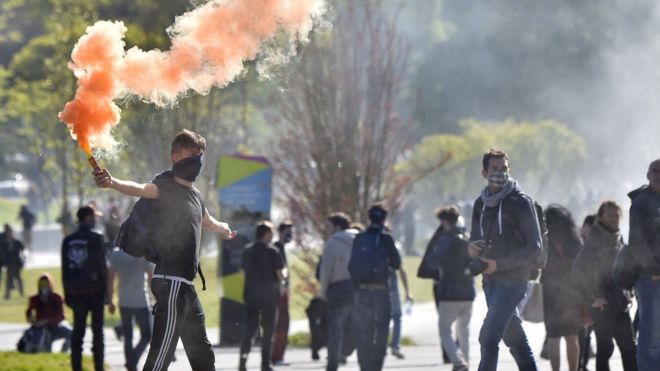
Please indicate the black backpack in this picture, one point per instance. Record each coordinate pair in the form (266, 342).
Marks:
(368, 262)
(137, 232)
(542, 259)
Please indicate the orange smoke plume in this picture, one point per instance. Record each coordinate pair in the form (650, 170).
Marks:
(209, 45)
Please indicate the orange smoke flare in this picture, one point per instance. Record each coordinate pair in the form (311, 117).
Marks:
(209, 46)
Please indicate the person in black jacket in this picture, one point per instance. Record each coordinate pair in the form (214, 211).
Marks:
(645, 247)
(15, 260)
(84, 275)
(505, 243)
(608, 303)
(455, 288)
(561, 305)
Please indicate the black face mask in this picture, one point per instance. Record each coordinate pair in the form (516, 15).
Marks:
(188, 168)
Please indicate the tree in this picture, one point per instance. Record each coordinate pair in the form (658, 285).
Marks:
(40, 84)
(543, 155)
(341, 135)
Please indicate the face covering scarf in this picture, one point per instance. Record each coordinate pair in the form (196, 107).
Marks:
(188, 168)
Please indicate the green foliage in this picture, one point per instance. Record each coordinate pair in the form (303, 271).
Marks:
(539, 153)
(9, 210)
(15, 361)
(299, 340)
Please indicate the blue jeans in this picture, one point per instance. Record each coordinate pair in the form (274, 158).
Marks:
(338, 318)
(502, 323)
(371, 319)
(648, 347)
(395, 312)
(61, 332)
(132, 353)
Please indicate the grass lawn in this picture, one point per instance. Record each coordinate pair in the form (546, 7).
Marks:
(15, 361)
(13, 310)
(9, 210)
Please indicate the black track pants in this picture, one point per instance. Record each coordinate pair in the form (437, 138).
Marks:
(178, 313)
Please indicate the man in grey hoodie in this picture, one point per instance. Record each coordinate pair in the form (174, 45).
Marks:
(336, 284)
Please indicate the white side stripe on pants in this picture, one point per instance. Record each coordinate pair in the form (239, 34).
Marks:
(170, 325)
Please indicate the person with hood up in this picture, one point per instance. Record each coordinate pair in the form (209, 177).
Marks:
(336, 285)
(645, 247)
(47, 309)
(608, 304)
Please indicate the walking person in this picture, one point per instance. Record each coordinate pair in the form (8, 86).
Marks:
(395, 309)
(373, 256)
(84, 277)
(336, 286)
(608, 303)
(506, 239)
(178, 218)
(425, 272)
(28, 219)
(285, 233)
(455, 288)
(15, 260)
(46, 309)
(133, 301)
(586, 350)
(264, 277)
(561, 304)
(645, 246)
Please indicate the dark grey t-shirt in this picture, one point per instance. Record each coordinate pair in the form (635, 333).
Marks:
(180, 213)
(260, 263)
(132, 288)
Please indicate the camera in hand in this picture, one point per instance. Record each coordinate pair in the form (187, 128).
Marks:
(478, 266)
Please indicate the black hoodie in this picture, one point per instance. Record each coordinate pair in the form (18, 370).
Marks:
(644, 236)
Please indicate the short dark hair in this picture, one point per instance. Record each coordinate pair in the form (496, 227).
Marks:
(449, 213)
(608, 203)
(263, 228)
(286, 223)
(340, 220)
(186, 139)
(84, 212)
(589, 220)
(493, 153)
(377, 214)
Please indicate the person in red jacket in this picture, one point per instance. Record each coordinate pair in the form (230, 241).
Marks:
(46, 309)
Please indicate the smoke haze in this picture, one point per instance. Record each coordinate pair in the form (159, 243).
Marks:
(209, 45)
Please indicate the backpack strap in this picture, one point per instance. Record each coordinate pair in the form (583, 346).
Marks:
(201, 275)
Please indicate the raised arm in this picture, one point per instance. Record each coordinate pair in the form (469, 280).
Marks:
(103, 179)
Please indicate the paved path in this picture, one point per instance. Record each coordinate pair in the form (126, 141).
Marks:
(421, 326)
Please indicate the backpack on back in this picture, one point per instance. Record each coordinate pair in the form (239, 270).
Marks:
(368, 262)
(541, 259)
(539, 262)
(137, 232)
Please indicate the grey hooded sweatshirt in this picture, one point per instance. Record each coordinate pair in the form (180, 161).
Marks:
(334, 262)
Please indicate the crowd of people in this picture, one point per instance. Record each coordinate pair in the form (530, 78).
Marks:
(511, 242)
